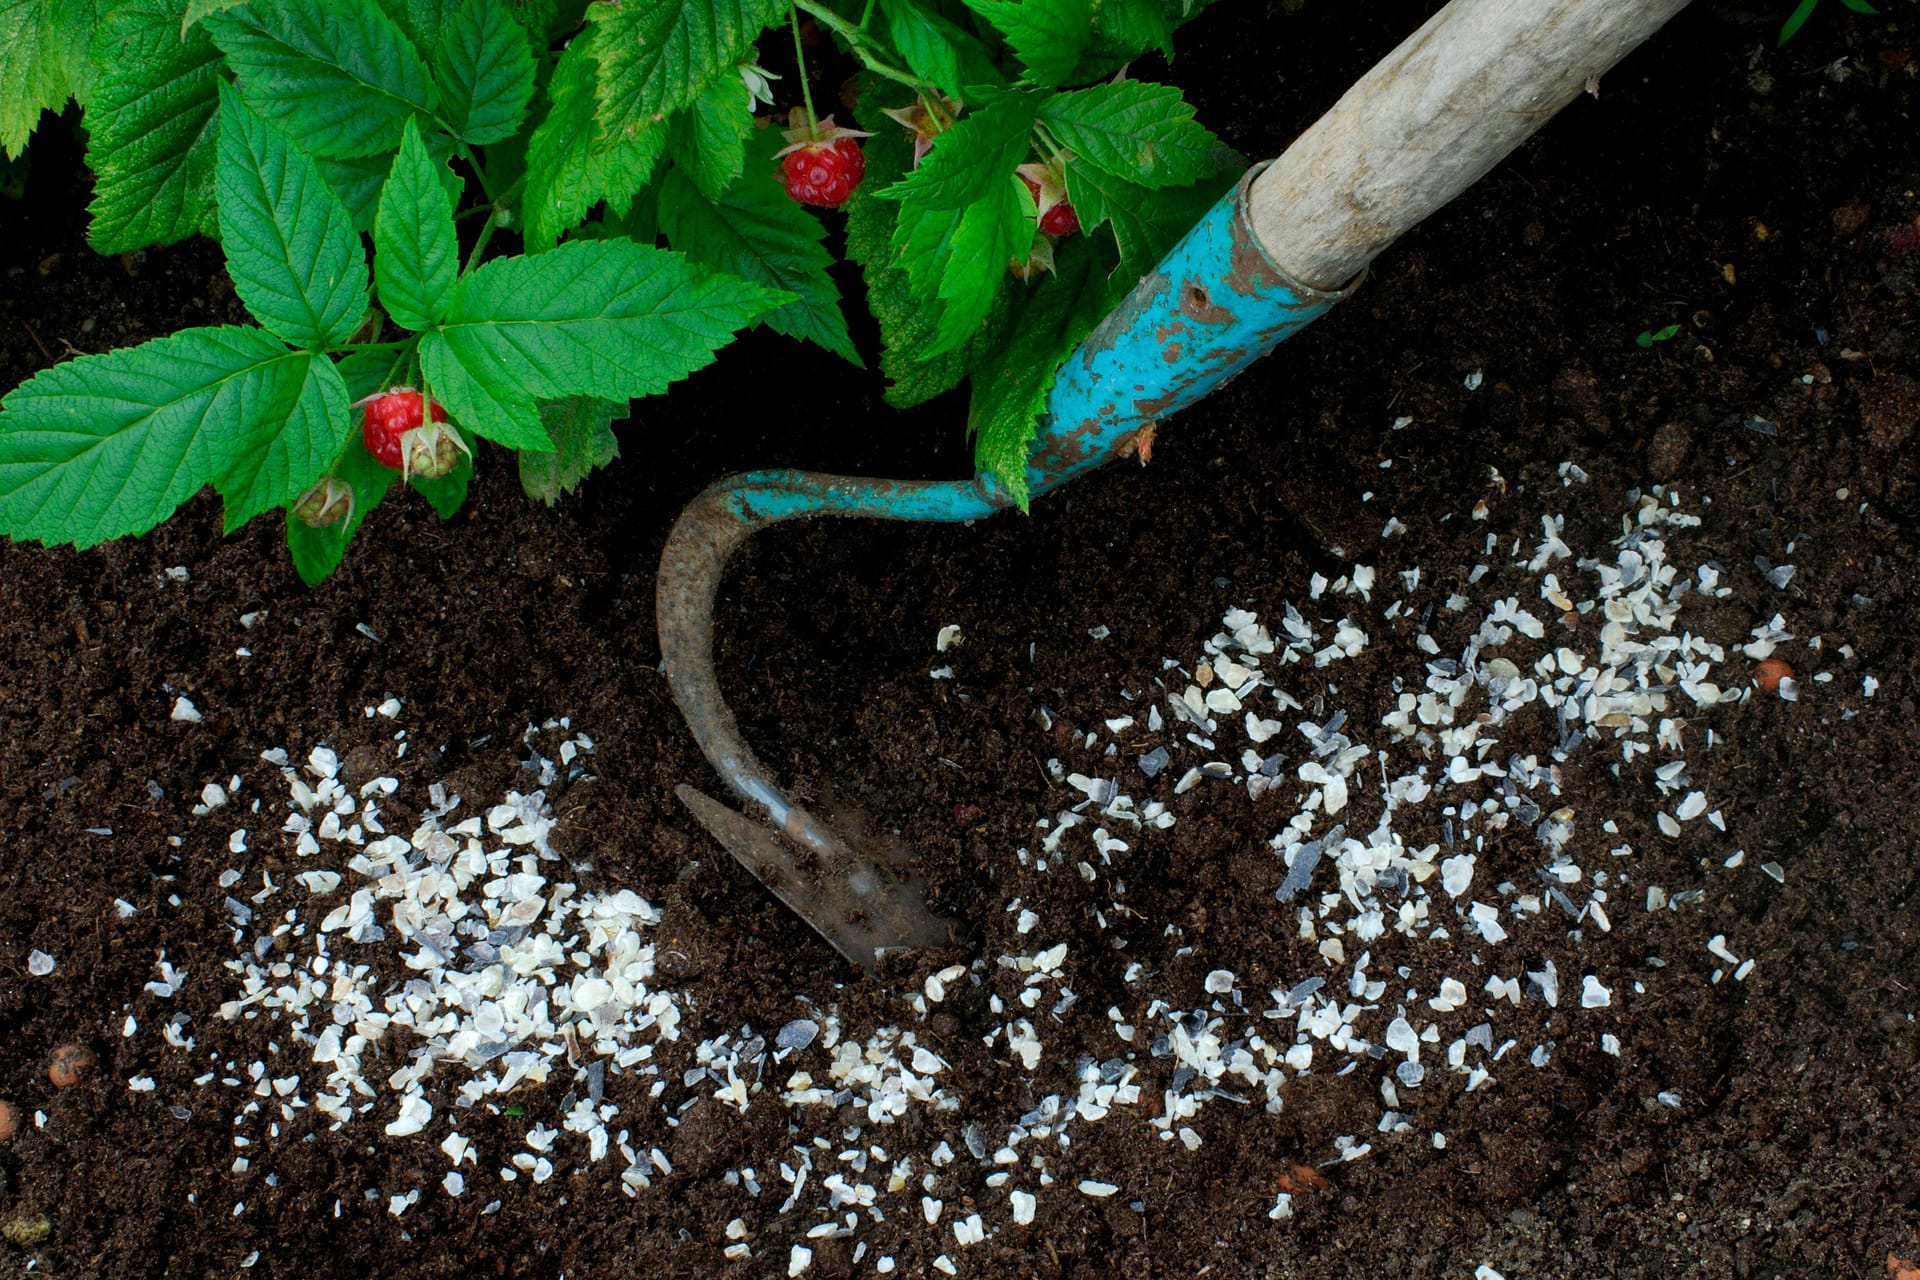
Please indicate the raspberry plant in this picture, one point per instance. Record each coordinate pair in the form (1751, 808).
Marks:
(1007, 184)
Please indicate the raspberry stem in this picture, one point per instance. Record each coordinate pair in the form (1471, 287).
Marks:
(800, 58)
(856, 38)
(1048, 146)
(479, 170)
(480, 243)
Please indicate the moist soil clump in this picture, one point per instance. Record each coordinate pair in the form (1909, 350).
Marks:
(1762, 1125)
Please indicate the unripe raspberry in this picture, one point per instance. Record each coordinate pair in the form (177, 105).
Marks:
(432, 451)
(923, 123)
(1039, 259)
(328, 502)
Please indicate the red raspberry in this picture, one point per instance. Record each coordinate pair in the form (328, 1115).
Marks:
(821, 165)
(824, 173)
(396, 438)
(1049, 188)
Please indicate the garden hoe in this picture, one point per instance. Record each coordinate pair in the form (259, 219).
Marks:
(1275, 253)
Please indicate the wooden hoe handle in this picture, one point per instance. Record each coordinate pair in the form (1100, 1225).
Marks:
(1430, 120)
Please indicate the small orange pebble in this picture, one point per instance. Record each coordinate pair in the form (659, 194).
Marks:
(1899, 1268)
(1139, 445)
(9, 1121)
(1771, 672)
(71, 1064)
(1299, 1179)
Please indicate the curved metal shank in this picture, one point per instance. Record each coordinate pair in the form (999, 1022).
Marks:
(858, 903)
(1213, 306)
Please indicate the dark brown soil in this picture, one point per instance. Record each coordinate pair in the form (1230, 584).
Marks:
(1762, 200)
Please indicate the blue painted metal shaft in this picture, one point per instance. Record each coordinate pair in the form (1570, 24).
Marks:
(1216, 303)
(1212, 307)
(764, 497)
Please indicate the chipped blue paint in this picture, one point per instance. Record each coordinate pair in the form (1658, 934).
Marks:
(764, 497)
(1212, 307)
(1215, 304)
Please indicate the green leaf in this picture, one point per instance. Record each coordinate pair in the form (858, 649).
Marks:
(359, 181)
(153, 135)
(1146, 223)
(368, 371)
(969, 251)
(415, 255)
(922, 243)
(935, 49)
(69, 39)
(198, 9)
(581, 428)
(544, 20)
(605, 318)
(484, 68)
(1010, 387)
(112, 444)
(1142, 133)
(975, 157)
(291, 249)
(317, 552)
(1861, 6)
(1796, 20)
(908, 321)
(755, 232)
(422, 20)
(570, 167)
(36, 54)
(272, 450)
(341, 77)
(1046, 35)
(657, 55)
(1125, 29)
(708, 140)
(640, 223)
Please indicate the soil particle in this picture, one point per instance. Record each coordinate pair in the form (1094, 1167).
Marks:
(1849, 218)
(1669, 450)
(1579, 402)
(704, 1138)
(1890, 409)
